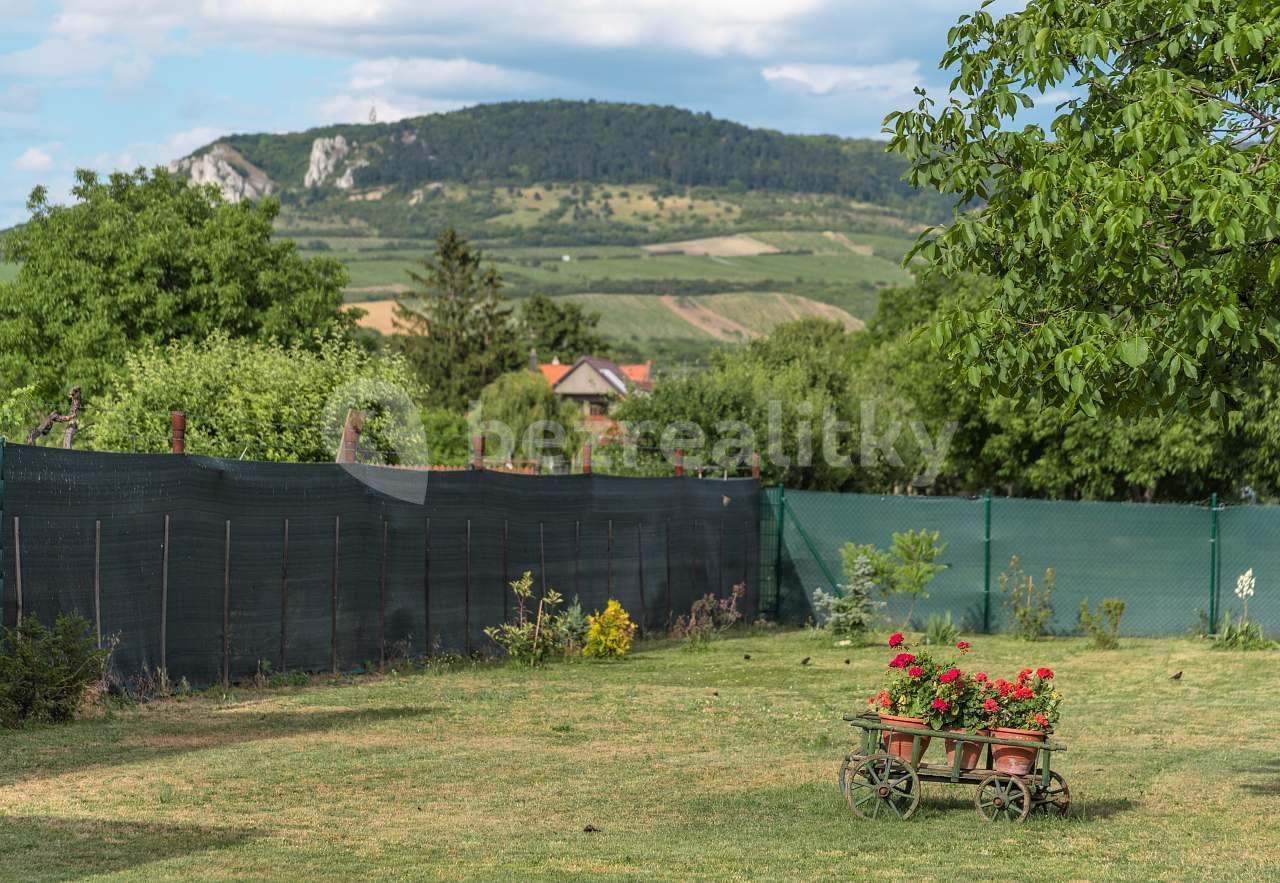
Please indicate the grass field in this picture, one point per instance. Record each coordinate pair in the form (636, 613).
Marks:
(692, 766)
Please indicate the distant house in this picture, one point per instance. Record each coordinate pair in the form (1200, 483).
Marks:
(596, 383)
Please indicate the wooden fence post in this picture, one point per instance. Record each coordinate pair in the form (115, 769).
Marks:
(17, 564)
(382, 592)
(426, 591)
(679, 462)
(586, 458)
(477, 452)
(333, 598)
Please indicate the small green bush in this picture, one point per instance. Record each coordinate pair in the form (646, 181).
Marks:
(1103, 626)
(1028, 603)
(851, 610)
(1239, 634)
(532, 638)
(44, 672)
(940, 631)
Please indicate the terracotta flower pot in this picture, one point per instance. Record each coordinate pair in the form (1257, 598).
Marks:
(970, 754)
(1016, 760)
(899, 744)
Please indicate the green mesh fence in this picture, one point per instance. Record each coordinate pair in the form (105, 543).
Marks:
(1172, 564)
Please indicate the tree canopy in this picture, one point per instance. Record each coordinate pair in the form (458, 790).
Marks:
(144, 258)
(462, 337)
(1134, 247)
(261, 401)
(560, 329)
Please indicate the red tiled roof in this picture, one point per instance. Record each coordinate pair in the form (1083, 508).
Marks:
(639, 375)
(554, 372)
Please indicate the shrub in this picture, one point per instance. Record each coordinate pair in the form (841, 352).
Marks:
(907, 568)
(529, 640)
(852, 610)
(44, 672)
(708, 617)
(1243, 633)
(1102, 626)
(939, 630)
(609, 633)
(570, 627)
(1027, 602)
(1240, 634)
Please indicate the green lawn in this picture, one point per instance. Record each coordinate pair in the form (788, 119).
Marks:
(710, 766)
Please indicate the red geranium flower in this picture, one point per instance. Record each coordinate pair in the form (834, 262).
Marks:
(1023, 675)
(895, 639)
(915, 671)
(883, 699)
(991, 705)
(1004, 686)
(980, 677)
(949, 675)
(902, 660)
(1044, 674)
(1041, 720)
(1023, 693)
(962, 646)
(940, 704)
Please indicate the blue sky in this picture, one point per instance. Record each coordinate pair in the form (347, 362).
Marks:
(108, 84)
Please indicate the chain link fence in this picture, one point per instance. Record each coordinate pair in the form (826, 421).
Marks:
(1174, 565)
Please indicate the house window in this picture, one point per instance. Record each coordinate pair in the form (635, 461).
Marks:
(596, 409)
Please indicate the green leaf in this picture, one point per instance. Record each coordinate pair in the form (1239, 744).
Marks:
(1134, 352)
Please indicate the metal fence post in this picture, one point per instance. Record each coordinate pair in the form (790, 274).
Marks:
(164, 602)
(1213, 563)
(777, 549)
(284, 600)
(2, 443)
(986, 562)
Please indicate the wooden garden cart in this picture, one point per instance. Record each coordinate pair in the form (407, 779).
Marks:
(875, 782)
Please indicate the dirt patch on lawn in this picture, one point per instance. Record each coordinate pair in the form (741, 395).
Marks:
(715, 247)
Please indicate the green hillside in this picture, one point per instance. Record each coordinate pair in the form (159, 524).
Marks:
(523, 143)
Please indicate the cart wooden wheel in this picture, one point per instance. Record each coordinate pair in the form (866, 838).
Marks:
(882, 785)
(1054, 799)
(1002, 798)
(842, 772)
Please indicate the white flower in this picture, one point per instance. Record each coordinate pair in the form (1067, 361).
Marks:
(845, 643)
(1244, 585)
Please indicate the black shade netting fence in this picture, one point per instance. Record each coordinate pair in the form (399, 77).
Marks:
(210, 568)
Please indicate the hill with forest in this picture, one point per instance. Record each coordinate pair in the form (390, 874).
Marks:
(684, 231)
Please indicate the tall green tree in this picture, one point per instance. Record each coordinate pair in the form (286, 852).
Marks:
(144, 258)
(560, 329)
(521, 417)
(1135, 246)
(462, 337)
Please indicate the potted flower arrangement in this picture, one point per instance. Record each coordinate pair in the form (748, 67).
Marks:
(1025, 709)
(921, 692)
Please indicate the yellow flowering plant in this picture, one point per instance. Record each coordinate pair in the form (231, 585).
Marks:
(609, 633)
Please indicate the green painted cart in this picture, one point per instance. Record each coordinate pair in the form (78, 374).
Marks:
(876, 783)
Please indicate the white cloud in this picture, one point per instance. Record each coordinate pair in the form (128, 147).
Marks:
(33, 159)
(346, 107)
(155, 153)
(440, 76)
(894, 79)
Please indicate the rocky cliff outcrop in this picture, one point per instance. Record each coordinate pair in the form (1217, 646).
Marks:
(225, 166)
(328, 155)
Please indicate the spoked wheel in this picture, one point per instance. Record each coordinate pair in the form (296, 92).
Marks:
(842, 772)
(1001, 798)
(1054, 799)
(882, 785)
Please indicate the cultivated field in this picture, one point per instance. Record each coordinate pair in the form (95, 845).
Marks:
(690, 766)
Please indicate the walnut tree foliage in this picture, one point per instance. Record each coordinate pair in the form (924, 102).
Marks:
(143, 258)
(1136, 243)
